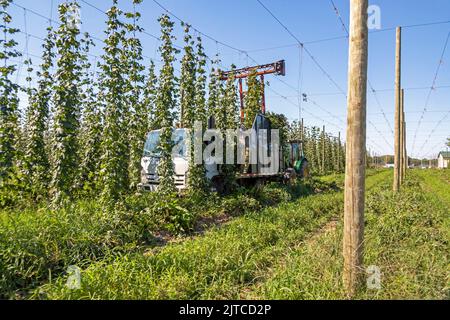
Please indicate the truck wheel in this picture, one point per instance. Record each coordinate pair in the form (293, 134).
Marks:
(218, 185)
(290, 176)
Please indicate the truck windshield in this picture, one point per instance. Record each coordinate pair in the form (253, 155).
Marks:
(151, 147)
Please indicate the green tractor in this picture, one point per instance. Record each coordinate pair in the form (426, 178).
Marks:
(296, 163)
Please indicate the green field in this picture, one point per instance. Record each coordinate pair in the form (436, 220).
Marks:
(280, 247)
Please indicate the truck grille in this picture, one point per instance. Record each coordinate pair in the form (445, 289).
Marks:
(154, 179)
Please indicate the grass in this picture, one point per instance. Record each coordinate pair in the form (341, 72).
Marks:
(279, 245)
(437, 182)
(34, 244)
(406, 236)
(38, 244)
(220, 264)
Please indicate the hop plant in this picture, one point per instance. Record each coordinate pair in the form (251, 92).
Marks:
(214, 91)
(165, 106)
(114, 87)
(90, 133)
(188, 82)
(149, 99)
(226, 118)
(138, 118)
(200, 84)
(36, 158)
(252, 100)
(197, 182)
(230, 103)
(9, 101)
(67, 101)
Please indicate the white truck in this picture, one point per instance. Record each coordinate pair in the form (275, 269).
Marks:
(151, 157)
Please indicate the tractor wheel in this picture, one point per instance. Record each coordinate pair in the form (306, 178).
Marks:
(304, 169)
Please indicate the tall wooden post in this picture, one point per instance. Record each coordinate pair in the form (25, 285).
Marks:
(355, 147)
(403, 138)
(397, 143)
(405, 152)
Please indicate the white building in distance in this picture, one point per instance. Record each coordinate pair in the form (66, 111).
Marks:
(443, 159)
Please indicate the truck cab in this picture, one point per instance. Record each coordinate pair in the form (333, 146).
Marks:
(151, 158)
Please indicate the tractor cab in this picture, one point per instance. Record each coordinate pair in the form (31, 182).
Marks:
(297, 159)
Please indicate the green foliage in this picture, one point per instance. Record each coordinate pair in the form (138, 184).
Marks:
(273, 194)
(139, 118)
(316, 144)
(298, 256)
(214, 91)
(200, 84)
(239, 204)
(9, 101)
(67, 102)
(218, 264)
(187, 82)
(176, 218)
(252, 100)
(114, 86)
(15, 192)
(192, 105)
(150, 96)
(91, 129)
(197, 182)
(36, 160)
(227, 118)
(38, 243)
(404, 235)
(165, 105)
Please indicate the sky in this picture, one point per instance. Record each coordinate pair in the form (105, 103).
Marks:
(257, 38)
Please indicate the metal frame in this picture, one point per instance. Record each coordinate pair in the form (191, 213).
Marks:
(278, 68)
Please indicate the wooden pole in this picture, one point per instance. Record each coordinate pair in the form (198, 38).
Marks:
(397, 143)
(401, 139)
(356, 147)
(406, 151)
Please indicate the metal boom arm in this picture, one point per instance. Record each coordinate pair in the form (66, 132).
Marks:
(277, 68)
